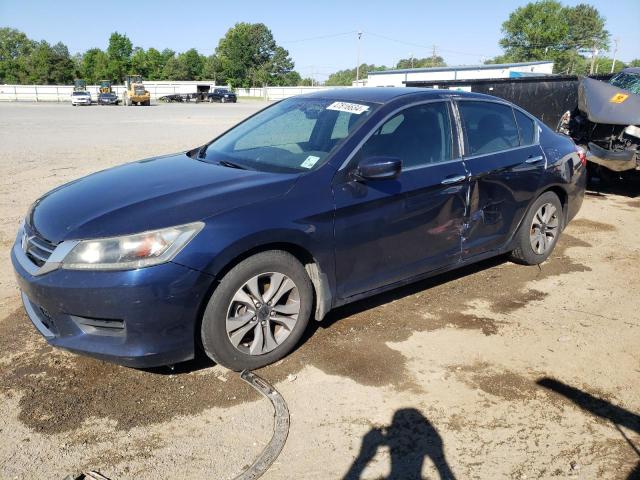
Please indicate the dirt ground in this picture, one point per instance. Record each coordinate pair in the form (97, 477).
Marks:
(494, 371)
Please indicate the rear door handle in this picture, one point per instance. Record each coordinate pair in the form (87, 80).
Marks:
(456, 179)
(536, 159)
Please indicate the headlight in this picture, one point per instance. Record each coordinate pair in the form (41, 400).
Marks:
(131, 251)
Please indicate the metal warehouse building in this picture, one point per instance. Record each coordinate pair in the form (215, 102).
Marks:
(398, 78)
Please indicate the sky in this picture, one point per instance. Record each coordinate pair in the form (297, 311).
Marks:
(321, 36)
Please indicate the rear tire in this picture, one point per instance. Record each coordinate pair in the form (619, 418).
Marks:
(540, 230)
(265, 325)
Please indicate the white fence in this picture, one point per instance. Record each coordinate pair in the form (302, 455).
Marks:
(62, 93)
(277, 93)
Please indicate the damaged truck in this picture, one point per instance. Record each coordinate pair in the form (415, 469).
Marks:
(606, 123)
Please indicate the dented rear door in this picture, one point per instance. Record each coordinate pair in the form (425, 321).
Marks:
(504, 175)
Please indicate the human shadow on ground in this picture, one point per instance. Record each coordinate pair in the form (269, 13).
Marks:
(411, 438)
(619, 416)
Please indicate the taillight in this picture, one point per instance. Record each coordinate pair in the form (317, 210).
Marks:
(582, 155)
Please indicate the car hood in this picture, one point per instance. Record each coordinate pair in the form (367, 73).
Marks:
(605, 103)
(149, 194)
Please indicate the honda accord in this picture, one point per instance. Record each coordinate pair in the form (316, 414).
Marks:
(314, 202)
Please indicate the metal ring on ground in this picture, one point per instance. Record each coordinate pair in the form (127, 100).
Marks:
(270, 452)
(280, 427)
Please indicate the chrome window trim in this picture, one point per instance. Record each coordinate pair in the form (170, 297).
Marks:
(429, 165)
(505, 103)
(388, 117)
(479, 155)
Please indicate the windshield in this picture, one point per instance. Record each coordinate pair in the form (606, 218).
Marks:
(294, 135)
(82, 94)
(628, 81)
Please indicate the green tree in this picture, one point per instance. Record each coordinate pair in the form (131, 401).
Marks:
(191, 64)
(249, 55)
(15, 46)
(175, 69)
(546, 30)
(212, 70)
(535, 31)
(119, 52)
(346, 77)
(635, 62)
(48, 64)
(155, 62)
(62, 69)
(426, 62)
(94, 66)
(603, 65)
(139, 64)
(586, 31)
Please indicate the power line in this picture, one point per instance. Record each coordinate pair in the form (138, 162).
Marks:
(320, 37)
(426, 47)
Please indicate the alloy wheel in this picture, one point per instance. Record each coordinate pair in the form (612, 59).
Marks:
(263, 313)
(544, 228)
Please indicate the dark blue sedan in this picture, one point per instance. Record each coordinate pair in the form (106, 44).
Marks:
(312, 203)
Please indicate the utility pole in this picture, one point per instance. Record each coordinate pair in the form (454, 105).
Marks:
(358, 60)
(411, 57)
(594, 54)
(615, 51)
(433, 56)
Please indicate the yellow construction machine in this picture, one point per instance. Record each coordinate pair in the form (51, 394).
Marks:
(135, 93)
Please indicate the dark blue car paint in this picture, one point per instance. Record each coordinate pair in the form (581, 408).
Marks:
(360, 238)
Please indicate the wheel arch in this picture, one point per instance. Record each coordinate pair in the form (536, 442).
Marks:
(319, 278)
(562, 194)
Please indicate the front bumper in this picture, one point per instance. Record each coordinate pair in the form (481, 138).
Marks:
(138, 318)
(618, 161)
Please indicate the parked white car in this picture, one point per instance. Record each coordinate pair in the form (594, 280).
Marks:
(80, 98)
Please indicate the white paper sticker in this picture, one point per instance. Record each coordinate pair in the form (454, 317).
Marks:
(310, 161)
(348, 107)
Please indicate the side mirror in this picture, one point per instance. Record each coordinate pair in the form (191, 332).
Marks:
(378, 168)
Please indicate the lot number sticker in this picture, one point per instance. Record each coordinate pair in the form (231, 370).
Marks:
(310, 161)
(348, 107)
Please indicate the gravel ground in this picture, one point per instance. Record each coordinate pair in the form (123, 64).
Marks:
(494, 371)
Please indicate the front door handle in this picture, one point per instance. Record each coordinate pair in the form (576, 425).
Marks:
(456, 179)
(536, 159)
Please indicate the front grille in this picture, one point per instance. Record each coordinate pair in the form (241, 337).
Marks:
(36, 248)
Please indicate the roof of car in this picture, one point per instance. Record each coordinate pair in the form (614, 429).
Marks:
(385, 94)
(632, 70)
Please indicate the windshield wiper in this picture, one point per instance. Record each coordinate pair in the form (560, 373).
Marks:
(227, 163)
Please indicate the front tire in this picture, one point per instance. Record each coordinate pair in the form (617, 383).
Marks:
(258, 312)
(540, 230)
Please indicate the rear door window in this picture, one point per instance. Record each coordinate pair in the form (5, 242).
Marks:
(489, 127)
(527, 128)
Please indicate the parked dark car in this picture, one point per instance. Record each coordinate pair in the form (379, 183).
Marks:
(222, 95)
(108, 99)
(312, 203)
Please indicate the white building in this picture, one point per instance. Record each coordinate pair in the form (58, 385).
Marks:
(397, 78)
